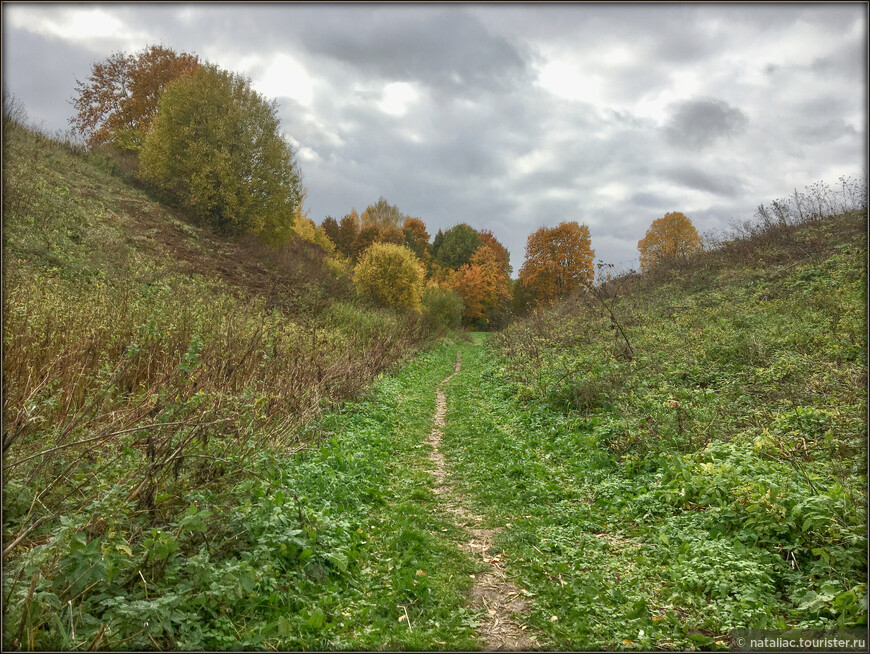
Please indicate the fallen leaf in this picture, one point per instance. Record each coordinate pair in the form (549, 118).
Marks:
(657, 619)
(490, 612)
(420, 573)
(553, 618)
(401, 618)
(627, 643)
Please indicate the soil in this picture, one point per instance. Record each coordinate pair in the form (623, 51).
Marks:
(502, 602)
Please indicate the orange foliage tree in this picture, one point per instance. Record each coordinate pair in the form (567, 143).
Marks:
(119, 100)
(469, 283)
(671, 236)
(483, 285)
(503, 256)
(558, 261)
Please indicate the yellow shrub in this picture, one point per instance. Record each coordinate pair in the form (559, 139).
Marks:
(391, 275)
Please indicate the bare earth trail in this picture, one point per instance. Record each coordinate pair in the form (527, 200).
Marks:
(492, 592)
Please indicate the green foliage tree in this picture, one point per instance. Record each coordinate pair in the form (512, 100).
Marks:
(523, 298)
(458, 246)
(436, 242)
(442, 307)
(391, 275)
(216, 150)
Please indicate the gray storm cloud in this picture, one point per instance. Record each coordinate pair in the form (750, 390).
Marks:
(700, 123)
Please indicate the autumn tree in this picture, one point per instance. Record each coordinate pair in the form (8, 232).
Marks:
(390, 275)
(216, 150)
(470, 284)
(483, 285)
(457, 246)
(348, 228)
(330, 227)
(558, 261)
(382, 214)
(416, 237)
(307, 230)
(669, 237)
(119, 100)
(502, 255)
(373, 234)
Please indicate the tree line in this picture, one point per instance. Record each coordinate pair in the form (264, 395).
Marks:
(210, 145)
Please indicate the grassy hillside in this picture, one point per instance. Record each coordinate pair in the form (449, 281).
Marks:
(148, 363)
(687, 448)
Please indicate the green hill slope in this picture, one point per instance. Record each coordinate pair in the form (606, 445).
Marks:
(148, 361)
(711, 417)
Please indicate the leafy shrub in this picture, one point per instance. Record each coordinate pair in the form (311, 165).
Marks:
(442, 307)
(390, 275)
(738, 581)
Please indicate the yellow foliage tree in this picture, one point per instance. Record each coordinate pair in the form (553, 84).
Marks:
(391, 275)
(558, 261)
(215, 148)
(382, 214)
(671, 236)
(307, 230)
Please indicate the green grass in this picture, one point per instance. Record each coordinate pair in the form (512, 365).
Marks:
(324, 550)
(152, 372)
(714, 481)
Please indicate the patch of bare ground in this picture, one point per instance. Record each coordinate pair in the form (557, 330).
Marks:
(247, 265)
(492, 593)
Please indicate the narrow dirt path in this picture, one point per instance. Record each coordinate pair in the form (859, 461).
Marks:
(492, 592)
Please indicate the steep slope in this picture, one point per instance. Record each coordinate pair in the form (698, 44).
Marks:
(148, 361)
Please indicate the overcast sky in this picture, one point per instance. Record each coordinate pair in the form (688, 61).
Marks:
(510, 117)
